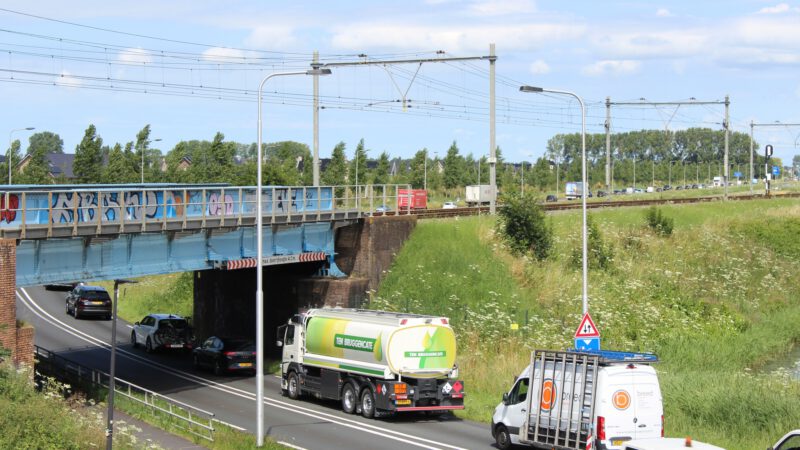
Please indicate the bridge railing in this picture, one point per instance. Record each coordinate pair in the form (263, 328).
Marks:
(108, 209)
(181, 415)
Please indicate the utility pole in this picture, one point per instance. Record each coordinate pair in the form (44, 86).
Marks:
(492, 58)
(726, 124)
(492, 150)
(315, 162)
(608, 145)
(750, 178)
(690, 102)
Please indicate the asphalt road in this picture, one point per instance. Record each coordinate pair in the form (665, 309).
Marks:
(308, 424)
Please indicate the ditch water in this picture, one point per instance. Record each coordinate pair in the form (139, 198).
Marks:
(791, 363)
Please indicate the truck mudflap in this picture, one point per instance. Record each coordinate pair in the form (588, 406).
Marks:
(426, 395)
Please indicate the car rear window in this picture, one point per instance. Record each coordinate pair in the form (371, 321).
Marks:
(239, 345)
(95, 295)
(174, 323)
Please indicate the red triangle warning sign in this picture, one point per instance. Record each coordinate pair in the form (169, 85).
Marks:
(587, 328)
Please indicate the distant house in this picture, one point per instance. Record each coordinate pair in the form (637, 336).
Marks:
(60, 165)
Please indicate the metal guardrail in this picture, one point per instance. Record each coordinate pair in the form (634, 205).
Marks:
(196, 421)
(36, 212)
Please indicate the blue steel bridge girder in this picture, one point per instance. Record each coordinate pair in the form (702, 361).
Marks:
(89, 232)
(134, 255)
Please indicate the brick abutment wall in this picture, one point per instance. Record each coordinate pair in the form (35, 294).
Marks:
(19, 341)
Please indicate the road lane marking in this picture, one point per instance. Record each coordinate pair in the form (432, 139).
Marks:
(345, 422)
(291, 445)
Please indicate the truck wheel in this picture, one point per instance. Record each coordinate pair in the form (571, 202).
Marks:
(367, 403)
(293, 386)
(349, 399)
(503, 438)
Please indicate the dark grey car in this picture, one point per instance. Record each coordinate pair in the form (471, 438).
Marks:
(85, 301)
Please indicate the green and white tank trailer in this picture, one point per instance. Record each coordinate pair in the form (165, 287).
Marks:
(374, 362)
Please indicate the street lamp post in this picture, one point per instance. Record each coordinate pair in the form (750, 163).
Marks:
(10, 143)
(316, 70)
(111, 371)
(533, 89)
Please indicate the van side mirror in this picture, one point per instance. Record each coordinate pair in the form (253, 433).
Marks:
(279, 343)
(505, 398)
(136, 323)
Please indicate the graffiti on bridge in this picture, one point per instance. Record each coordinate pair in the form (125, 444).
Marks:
(8, 212)
(65, 207)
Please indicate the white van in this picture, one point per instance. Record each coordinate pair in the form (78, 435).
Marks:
(564, 408)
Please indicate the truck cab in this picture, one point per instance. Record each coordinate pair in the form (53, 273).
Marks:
(568, 400)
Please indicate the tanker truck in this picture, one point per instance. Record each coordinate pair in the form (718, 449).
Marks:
(374, 362)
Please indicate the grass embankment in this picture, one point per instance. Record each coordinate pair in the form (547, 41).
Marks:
(50, 418)
(717, 301)
(168, 294)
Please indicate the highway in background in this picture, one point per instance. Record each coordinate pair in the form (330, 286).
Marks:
(308, 424)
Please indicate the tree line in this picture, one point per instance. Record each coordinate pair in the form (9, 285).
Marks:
(645, 155)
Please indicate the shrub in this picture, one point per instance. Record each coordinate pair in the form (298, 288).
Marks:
(521, 222)
(600, 253)
(658, 222)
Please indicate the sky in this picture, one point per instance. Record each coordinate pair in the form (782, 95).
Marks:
(191, 69)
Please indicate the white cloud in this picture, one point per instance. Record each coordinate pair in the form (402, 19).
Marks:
(650, 44)
(135, 56)
(453, 39)
(780, 8)
(663, 12)
(539, 67)
(222, 54)
(274, 37)
(612, 67)
(501, 7)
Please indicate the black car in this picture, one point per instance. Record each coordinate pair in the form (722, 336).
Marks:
(551, 198)
(62, 286)
(601, 193)
(84, 301)
(223, 355)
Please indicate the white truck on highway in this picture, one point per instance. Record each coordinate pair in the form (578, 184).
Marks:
(479, 195)
(574, 189)
(569, 400)
(374, 362)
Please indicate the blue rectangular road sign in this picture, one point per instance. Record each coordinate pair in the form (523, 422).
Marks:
(737, 174)
(776, 170)
(590, 344)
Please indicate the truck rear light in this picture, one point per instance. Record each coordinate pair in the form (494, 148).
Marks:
(444, 321)
(403, 321)
(601, 428)
(400, 388)
(401, 396)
